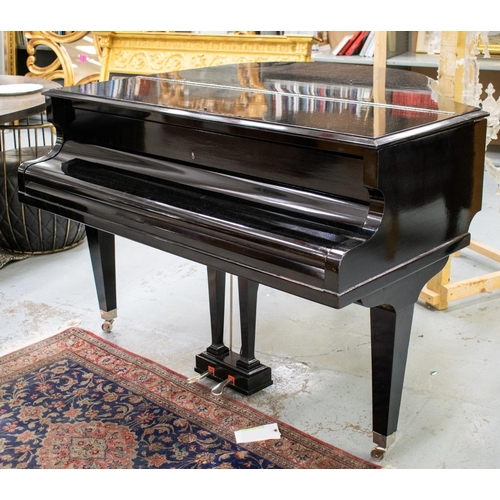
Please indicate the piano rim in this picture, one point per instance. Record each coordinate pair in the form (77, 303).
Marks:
(182, 118)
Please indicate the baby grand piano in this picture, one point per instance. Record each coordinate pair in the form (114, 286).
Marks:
(331, 182)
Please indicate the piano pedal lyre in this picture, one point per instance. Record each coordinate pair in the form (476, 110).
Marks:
(242, 372)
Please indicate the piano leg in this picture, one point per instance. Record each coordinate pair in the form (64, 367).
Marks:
(391, 314)
(241, 372)
(390, 336)
(248, 312)
(216, 291)
(102, 255)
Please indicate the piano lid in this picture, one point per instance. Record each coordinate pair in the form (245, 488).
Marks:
(328, 97)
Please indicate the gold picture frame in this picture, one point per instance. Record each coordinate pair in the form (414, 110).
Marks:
(493, 43)
(9, 55)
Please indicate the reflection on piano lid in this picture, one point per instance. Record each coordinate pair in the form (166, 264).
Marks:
(284, 94)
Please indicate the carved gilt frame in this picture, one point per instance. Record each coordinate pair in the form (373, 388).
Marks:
(493, 43)
(62, 67)
(9, 52)
(140, 52)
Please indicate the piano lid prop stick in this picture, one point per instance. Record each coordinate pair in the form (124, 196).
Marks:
(380, 54)
(379, 65)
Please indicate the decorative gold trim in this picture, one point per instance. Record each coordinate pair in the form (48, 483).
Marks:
(493, 49)
(10, 56)
(493, 44)
(137, 52)
(62, 67)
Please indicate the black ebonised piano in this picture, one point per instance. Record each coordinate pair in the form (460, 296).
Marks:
(335, 183)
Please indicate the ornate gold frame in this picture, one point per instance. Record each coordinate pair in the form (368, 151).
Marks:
(62, 67)
(493, 45)
(139, 52)
(9, 49)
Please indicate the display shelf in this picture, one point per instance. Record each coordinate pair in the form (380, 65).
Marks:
(407, 60)
(489, 64)
(327, 57)
(416, 60)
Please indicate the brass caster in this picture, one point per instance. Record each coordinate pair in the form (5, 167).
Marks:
(378, 453)
(107, 326)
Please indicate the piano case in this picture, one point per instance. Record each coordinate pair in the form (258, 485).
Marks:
(306, 177)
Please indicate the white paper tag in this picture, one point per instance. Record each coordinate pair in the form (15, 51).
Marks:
(260, 433)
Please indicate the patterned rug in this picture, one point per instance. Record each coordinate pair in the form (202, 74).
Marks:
(76, 401)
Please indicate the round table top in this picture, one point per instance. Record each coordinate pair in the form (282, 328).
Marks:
(18, 106)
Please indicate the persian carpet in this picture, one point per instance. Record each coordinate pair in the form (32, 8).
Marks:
(77, 401)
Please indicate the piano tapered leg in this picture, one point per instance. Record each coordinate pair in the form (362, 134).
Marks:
(248, 312)
(216, 296)
(241, 372)
(391, 314)
(102, 255)
(390, 336)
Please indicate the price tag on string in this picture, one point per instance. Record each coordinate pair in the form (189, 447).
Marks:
(260, 433)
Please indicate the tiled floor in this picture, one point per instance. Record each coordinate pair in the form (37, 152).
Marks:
(450, 414)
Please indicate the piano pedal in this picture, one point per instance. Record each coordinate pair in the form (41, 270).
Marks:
(197, 378)
(219, 388)
(201, 376)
